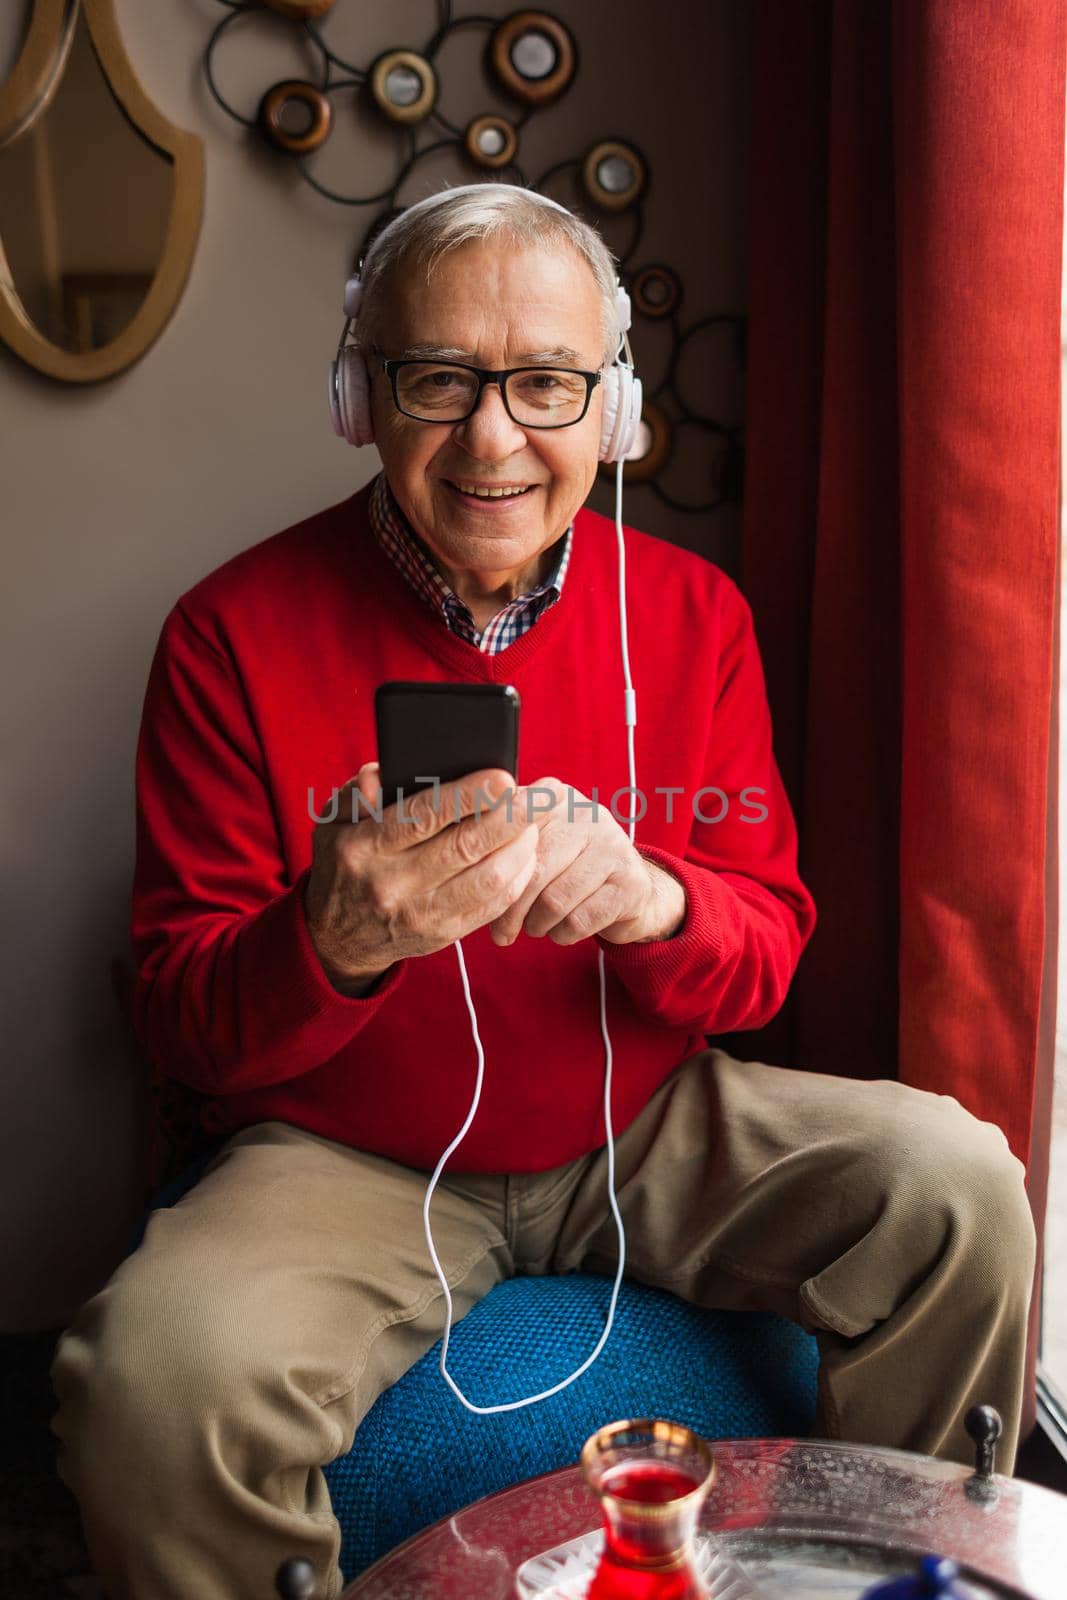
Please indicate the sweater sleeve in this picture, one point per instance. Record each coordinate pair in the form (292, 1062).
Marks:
(748, 914)
(229, 993)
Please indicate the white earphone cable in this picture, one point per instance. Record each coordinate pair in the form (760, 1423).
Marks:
(545, 1394)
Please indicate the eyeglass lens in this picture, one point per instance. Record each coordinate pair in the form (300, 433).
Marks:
(540, 396)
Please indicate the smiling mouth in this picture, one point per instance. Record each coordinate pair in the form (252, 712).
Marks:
(491, 492)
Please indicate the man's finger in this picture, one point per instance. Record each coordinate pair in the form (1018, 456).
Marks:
(368, 781)
(417, 818)
(556, 858)
(360, 796)
(473, 897)
(596, 912)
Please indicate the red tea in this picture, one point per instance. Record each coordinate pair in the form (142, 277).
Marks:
(652, 1483)
(636, 1545)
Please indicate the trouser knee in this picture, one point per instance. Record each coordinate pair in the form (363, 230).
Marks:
(938, 1198)
(131, 1377)
(960, 1183)
(157, 1381)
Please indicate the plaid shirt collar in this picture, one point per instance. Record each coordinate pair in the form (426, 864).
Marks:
(409, 555)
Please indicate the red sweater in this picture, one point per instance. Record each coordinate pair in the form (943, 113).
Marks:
(262, 688)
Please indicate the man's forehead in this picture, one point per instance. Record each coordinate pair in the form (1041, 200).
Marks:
(540, 304)
(560, 355)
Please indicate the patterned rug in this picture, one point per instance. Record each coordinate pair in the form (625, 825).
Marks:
(42, 1553)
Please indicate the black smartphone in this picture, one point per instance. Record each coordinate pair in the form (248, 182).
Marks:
(443, 731)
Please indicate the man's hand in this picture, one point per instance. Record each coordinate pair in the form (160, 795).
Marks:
(588, 878)
(411, 884)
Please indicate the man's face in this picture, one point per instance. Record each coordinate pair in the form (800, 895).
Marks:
(502, 305)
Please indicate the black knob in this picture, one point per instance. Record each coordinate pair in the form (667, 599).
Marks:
(985, 1428)
(295, 1579)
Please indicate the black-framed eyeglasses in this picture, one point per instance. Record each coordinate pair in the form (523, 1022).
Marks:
(450, 391)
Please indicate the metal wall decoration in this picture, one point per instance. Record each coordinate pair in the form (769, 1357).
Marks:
(532, 57)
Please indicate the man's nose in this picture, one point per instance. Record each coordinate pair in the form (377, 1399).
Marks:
(489, 432)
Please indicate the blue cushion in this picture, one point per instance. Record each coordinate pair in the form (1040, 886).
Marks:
(419, 1455)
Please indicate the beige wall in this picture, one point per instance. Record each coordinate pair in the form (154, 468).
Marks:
(119, 496)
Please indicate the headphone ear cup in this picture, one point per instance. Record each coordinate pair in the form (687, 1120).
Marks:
(350, 398)
(610, 412)
(622, 412)
(629, 413)
(334, 402)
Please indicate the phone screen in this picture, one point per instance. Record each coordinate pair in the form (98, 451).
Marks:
(443, 731)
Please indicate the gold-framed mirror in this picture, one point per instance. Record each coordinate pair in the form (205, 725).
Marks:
(101, 198)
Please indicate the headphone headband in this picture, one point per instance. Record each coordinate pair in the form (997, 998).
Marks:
(354, 285)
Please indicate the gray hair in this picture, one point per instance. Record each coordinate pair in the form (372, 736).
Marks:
(475, 211)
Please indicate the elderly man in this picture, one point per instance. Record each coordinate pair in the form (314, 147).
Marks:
(300, 976)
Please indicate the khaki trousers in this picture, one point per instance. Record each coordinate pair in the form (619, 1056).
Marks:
(235, 1353)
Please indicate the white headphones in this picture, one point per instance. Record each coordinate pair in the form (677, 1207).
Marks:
(349, 384)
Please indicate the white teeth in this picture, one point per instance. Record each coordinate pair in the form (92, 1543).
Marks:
(488, 494)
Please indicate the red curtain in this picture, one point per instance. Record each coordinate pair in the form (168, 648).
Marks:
(901, 531)
(899, 546)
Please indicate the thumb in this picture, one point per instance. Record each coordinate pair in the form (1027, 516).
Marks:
(362, 794)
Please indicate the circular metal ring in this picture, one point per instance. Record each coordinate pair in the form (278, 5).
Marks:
(534, 56)
(404, 85)
(721, 454)
(653, 443)
(734, 326)
(299, 10)
(490, 141)
(272, 109)
(656, 291)
(614, 174)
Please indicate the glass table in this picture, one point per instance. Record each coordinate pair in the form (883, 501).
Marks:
(807, 1519)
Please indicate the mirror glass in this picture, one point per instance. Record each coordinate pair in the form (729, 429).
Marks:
(14, 26)
(85, 201)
